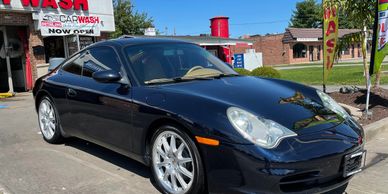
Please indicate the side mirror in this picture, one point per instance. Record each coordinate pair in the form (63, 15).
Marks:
(54, 63)
(108, 76)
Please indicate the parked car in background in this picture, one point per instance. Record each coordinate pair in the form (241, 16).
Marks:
(199, 125)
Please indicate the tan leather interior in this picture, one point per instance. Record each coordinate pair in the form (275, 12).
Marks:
(153, 69)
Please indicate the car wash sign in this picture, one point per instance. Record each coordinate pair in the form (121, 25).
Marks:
(63, 25)
(63, 4)
(66, 17)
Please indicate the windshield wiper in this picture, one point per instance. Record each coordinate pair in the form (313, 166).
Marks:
(226, 75)
(175, 80)
(163, 80)
(189, 78)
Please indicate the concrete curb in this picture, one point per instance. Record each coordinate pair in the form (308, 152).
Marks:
(372, 130)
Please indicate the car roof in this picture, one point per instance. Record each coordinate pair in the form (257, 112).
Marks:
(137, 41)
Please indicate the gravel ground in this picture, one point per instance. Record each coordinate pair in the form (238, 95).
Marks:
(378, 103)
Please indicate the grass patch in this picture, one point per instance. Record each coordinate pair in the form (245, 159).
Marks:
(352, 75)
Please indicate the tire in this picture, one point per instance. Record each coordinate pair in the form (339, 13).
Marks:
(48, 120)
(339, 190)
(180, 165)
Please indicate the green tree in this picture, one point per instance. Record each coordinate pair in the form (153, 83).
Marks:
(344, 22)
(308, 14)
(360, 14)
(128, 21)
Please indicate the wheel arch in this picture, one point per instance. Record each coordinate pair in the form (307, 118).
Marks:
(155, 125)
(40, 95)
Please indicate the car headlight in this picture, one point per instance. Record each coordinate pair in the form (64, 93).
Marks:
(331, 104)
(263, 132)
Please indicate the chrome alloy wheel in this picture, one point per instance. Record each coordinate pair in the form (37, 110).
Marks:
(173, 163)
(47, 120)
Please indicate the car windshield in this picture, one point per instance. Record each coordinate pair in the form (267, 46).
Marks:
(173, 62)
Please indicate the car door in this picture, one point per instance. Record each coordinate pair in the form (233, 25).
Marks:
(68, 77)
(102, 111)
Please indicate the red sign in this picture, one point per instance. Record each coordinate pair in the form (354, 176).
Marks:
(63, 4)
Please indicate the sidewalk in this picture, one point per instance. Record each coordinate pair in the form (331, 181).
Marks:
(374, 178)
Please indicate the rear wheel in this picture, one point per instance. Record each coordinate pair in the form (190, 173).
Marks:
(176, 163)
(49, 121)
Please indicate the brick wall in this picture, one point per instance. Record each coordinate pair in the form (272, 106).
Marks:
(276, 51)
(239, 49)
(34, 38)
(272, 48)
(15, 19)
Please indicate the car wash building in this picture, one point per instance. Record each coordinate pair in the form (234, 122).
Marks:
(34, 31)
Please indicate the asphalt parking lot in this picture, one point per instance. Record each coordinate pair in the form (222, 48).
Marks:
(29, 165)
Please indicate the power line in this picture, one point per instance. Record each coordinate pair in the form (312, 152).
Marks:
(258, 23)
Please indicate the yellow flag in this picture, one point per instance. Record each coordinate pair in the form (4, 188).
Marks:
(330, 37)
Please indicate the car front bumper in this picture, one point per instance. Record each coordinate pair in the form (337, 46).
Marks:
(298, 165)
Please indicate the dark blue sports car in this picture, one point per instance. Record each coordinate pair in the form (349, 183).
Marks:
(200, 126)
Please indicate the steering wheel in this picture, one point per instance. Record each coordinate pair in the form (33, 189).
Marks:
(194, 69)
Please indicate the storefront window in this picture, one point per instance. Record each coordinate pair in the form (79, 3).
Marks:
(299, 50)
(54, 47)
(346, 50)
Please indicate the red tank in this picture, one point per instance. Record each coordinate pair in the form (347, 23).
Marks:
(220, 26)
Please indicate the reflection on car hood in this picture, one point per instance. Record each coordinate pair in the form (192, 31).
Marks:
(294, 106)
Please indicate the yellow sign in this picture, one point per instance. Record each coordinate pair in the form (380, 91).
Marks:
(330, 38)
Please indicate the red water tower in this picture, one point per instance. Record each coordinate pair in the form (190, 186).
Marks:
(220, 26)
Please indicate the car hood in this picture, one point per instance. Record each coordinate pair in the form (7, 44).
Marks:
(292, 105)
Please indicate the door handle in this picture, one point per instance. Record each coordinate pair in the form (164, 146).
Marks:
(71, 92)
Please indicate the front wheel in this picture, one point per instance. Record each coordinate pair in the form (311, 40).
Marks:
(176, 162)
(49, 121)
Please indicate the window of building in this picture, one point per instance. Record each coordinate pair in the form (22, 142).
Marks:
(300, 50)
(346, 50)
(54, 47)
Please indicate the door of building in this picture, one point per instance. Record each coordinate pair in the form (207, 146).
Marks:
(319, 53)
(6, 84)
(311, 51)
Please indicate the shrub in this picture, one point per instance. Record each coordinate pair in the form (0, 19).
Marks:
(242, 71)
(266, 72)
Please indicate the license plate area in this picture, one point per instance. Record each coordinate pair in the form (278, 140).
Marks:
(354, 163)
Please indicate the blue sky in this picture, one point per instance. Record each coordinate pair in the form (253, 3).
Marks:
(192, 17)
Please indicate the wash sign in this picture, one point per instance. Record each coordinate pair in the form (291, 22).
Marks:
(238, 61)
(63, 25)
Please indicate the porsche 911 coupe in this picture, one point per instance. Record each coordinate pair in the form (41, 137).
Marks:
(198, 125)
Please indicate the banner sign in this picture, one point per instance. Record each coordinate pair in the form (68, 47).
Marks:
(63, 4)
(380, 37)
(63, 25)
(238, 61)
(330, 38)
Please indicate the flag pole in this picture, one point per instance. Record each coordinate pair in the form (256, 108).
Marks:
(323, 47)
(373, 61)
(368, 98)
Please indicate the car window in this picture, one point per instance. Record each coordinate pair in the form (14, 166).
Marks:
(167, 61)
(74, 65)
(100, 59)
